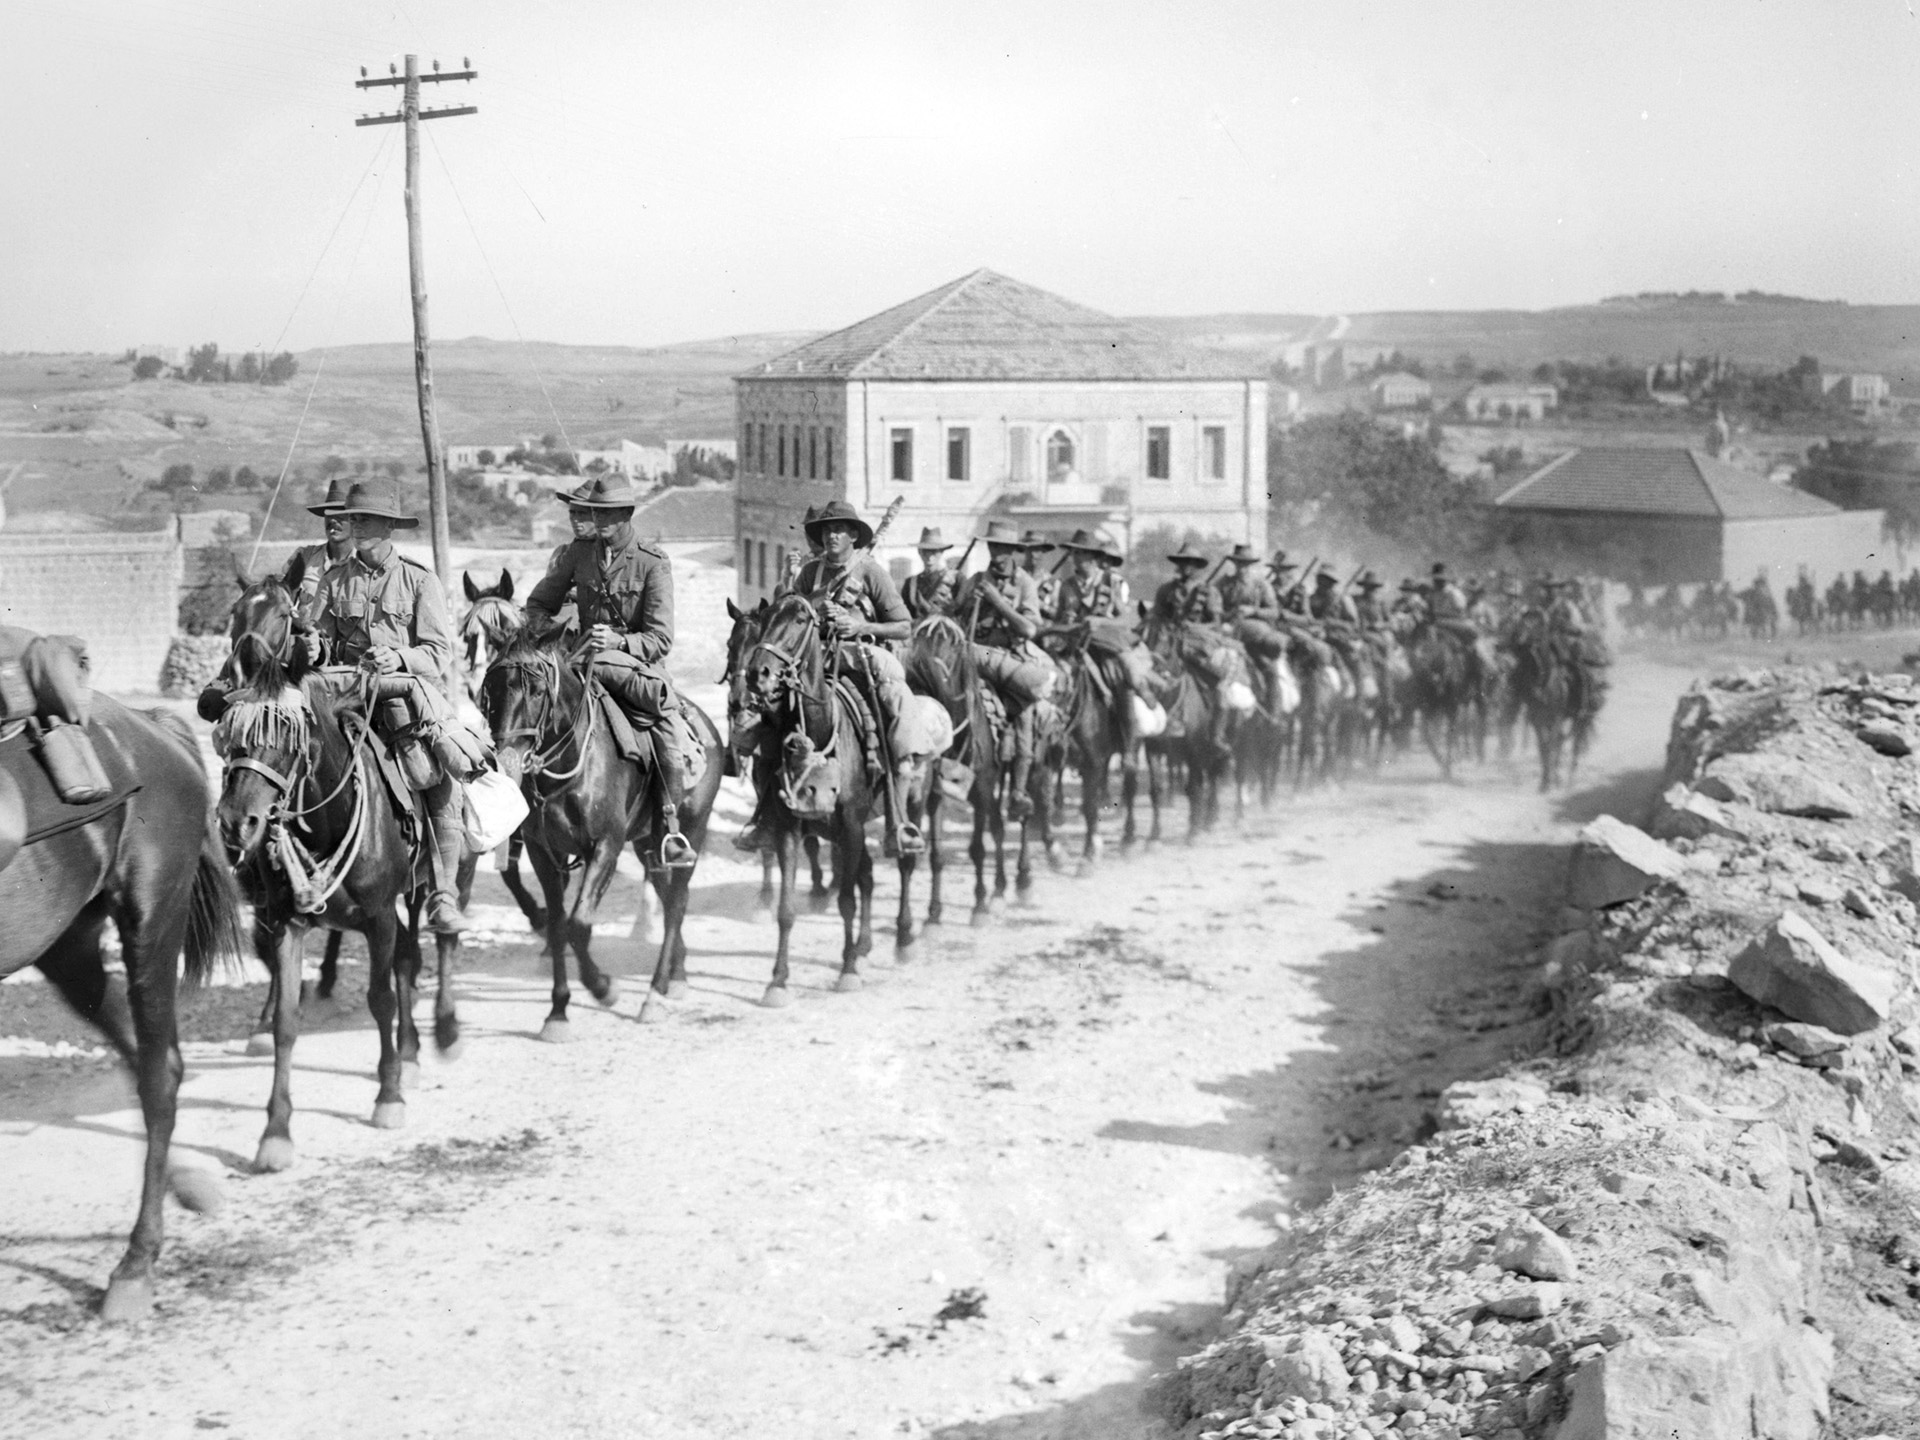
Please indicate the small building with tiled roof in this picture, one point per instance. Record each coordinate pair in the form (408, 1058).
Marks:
(989, 396)
(1658, 516)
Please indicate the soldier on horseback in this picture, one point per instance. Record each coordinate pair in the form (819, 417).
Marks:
(623, 590)
(1093, 593)
(863, 611)
(930, 592)
(1046, 583)
(316, 560)
(1002, 606)
(387, 614)
(1252, 609)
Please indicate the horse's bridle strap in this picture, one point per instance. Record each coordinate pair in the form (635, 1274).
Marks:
(260, 767)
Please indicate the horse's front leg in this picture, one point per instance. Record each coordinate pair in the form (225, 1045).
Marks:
(446, 1019)
(669, 969)
(280, 948)
(977, 850)
(589, 889)
(555, 1030)
(854, 867)
(787, 849)
(389, 996)
(916, 808)
(820, 895)
(936, 859)
(510, 877)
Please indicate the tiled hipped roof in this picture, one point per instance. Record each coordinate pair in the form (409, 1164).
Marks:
(985, 326)
(1658, 482)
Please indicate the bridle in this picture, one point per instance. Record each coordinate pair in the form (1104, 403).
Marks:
(540, 758)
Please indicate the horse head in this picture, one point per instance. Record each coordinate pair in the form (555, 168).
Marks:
(263, 740)
(939, 663)
(488, 628)
(742, 718)
(264, 625)
(784, 664)
(520, 698)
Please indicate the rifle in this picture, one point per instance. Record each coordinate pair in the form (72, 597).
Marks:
(838, 587)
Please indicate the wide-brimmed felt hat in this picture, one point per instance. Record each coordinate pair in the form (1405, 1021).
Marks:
(1439, 571)
(1324, 580)
(336, 497)
(932, 539)
(999, 532)
(378, 498)
(1187, 555)
(1243, 554)
(841, 513)
(602, 492)
(1367, 581)
(1034, 540)
(1085, 540)
(1281, 564)
(1407, 583)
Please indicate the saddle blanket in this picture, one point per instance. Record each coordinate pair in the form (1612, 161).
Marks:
(46, 814)
(636, 744)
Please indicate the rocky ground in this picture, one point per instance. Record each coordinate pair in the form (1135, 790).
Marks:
(1694, 1212)
(1002, 1189)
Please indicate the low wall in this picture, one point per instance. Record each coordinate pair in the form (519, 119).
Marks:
(119, 593)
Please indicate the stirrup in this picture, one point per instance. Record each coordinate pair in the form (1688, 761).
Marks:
(677, 852)
(908, 840)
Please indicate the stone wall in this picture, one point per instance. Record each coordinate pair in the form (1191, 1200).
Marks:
(119, 593)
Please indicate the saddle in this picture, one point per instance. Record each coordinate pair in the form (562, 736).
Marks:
(31, 809)
(634, 741)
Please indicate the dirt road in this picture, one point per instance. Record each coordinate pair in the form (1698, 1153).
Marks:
(1056, 1132)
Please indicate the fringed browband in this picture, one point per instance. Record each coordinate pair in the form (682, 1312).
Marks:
(250, 726)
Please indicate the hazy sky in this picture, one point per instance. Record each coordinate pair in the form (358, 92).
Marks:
(642, 173)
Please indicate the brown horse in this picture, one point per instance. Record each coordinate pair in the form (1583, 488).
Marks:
(315, 840)
(812, 740)
(153, 867)
(743, 740)
(587, 806)
(1097, 722)
(940, 665)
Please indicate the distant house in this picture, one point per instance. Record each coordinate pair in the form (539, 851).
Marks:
(1862, 393)
(1401, 392)
(1329, 365)
(1510, 402)
(986, 397)
(1663, 516)
(721, 445)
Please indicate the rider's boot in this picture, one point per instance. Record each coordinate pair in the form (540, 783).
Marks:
(446, 839)
(1019, 802)
(676, 851)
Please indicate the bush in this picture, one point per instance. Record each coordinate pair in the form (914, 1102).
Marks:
(206, 608)
(1338, 482)
(148, 367)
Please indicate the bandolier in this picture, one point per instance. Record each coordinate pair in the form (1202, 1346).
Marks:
(931, 591)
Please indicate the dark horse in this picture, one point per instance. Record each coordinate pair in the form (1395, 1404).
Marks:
(489, 626)
(153, 866)
(1560, 693)
(587, 805)
(940, 666)
(1096, 712)
(1444, 692)
(812, 741)
(1201, 730)
(743, 739)
(315, 840)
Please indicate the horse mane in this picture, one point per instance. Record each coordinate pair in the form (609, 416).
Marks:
(495, 617)
(940, 660)
(793, 611)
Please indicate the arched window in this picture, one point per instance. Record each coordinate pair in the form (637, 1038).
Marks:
(1059, 454)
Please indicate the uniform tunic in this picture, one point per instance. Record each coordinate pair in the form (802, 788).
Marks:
(1099, 596)
(306, 600)
(930, 592)
(1246, 595)
(622, 582)
(862, 585)
(991, 627)
(379, 598)
(1181, 602)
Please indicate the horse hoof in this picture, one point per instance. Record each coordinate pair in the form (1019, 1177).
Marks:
(390, 1115)
(274, 1155)
(776, 998)
(556, 1032)
(127, 1299)
(446, 1039)
(978, 919)
(260, 1043)
(201, 1191)
(653, 1009)
(819, 903)
(677, 989)
(608, 994)
(848, 983)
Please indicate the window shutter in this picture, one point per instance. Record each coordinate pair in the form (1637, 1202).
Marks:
(1019, 442)
(1095, 468)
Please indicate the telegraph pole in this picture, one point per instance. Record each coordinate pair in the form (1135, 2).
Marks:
(411, 115)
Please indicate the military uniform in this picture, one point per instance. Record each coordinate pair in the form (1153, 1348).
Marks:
(1252, 609)
(1020, 672)
(624, 583)
(1183, 601)
(864, 587)
(930, 592)
(315, 560)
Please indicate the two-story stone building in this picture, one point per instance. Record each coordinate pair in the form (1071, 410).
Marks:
(991, 397)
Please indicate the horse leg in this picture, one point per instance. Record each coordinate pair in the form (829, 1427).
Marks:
(853, 868)
(389, 996)
(765, 898)
(820, 896)
(977, 852)
(998, 824)
(596, 875)
(330, 964)
(281, 950)
(1092, 793)
(446, 1020)
(1129, 794)
(516, 887)
(936, 860)
(673, 948)
(407, 961)
(787, 848)
(72, 965)
(553, 884)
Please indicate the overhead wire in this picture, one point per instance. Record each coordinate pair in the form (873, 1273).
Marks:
(353, 262)
(519, 336)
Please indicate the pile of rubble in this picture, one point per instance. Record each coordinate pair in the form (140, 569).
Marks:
(1698, 1213)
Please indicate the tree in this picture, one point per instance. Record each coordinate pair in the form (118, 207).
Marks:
(203, 362)
(394, 469)
(333, 465)
(1343, 480)
(549, 441)
(245, 479)
(1868, 475)
(280, 369)
(360, 466)
(219, 480)
(177, 477)
(147, 367)
(249, 371)
(485, 457)
(206, 608)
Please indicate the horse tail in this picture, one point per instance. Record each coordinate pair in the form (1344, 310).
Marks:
(213, 910)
